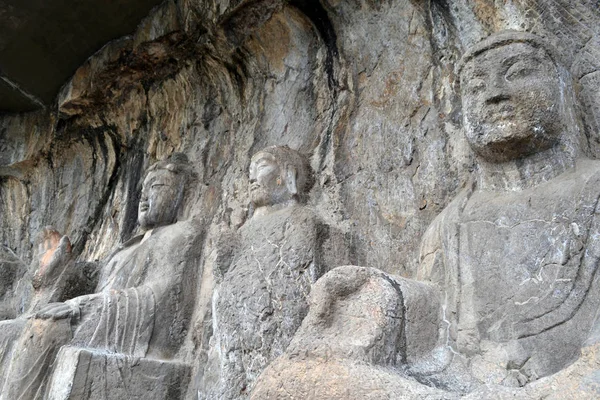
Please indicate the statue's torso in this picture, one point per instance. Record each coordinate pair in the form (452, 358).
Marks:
(521, 250)
(264, 294)
(145, 285)
(521, 269)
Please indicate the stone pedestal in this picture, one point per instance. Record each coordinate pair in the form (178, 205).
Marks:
(84, 374)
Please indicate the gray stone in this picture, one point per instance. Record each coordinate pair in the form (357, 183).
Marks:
(141, 307)
(89, 374)
(51, 277)
(350, 343)
(516, 255)
(369, 92)
(262, 298)
(12, 271)
(513, 258)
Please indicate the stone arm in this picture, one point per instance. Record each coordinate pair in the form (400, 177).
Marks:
(53, 275)
(120, 321)
(153, 310)
(332, 287)
(58, 277)
(77, 279)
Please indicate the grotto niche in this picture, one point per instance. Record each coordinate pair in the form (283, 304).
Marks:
(323, 200)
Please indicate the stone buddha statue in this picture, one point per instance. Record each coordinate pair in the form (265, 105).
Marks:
(515, 255)
(507, 291)
(140, 309)
(262, 297)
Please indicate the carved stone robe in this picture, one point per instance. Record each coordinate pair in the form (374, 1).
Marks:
(142, 307)
(145, 295)
(263, 297)
(517, 273)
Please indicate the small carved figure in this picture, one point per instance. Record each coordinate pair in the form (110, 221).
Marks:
(263, 295)
(142, 303)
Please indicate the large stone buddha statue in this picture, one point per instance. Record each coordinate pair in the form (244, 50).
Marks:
(515, 255)
(263, 295)
(507, 290)
(86, 347)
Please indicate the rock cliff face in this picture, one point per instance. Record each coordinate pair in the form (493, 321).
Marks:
(366, 90)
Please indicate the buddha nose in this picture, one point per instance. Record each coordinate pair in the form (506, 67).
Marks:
(496, 91)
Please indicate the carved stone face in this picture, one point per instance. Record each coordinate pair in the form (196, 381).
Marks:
(159, 202)
(511, 102)
(268, 182)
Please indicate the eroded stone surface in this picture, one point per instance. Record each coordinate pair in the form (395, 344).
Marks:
(369, 92)
(87, 374)
(141, 306)
(513, 258)
(262, 296)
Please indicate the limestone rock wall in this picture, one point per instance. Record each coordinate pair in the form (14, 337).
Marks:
(366, 89)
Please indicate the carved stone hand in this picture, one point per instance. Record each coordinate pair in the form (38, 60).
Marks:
(54, 252)
(58, 311)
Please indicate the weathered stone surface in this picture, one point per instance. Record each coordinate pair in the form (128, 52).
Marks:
(340, 379)
(369, 91)
(86, 374)
(522, 245)
(12, 271)
(350, 343)
(514, 257)
(141, 307)
(51, 277)
(262, 296)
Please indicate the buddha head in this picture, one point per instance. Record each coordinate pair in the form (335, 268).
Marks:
(163, 191)
(513, 96)
(278, 175)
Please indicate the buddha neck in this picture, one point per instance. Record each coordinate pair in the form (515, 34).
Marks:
(526, 172)
(265, 210)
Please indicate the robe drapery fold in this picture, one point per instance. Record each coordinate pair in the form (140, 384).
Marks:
(142, 308)
(120, 321)
(519, 270)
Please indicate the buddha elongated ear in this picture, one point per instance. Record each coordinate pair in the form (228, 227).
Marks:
(290, 180)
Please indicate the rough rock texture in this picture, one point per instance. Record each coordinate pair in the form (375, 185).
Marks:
(266, 277)
(349, 343)
(262, 300)
(85, 374)
(368, 90)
